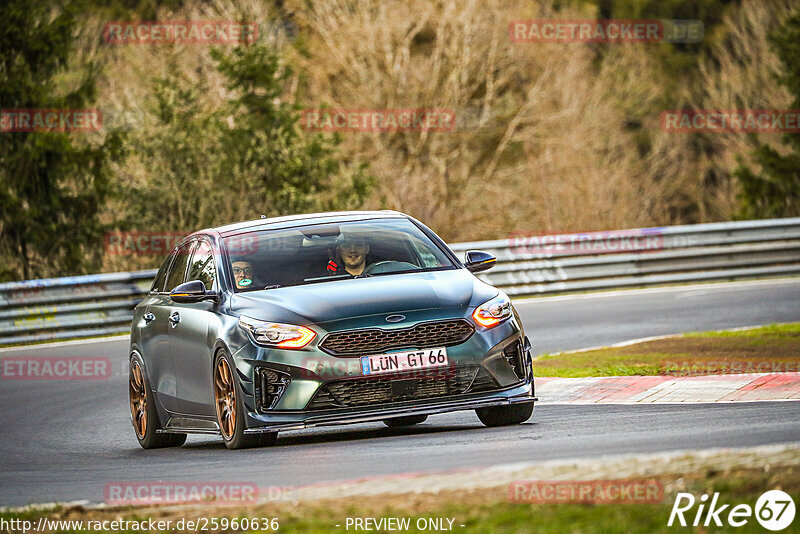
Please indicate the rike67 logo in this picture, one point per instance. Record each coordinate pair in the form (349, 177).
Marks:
(774, 511)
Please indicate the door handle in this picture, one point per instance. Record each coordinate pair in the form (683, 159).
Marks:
(174, 318)
(148, 317)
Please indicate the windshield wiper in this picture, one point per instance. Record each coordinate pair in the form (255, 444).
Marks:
(273, 286)
(323, 278)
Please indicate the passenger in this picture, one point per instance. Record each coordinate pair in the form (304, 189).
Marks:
(243, 274)
(351, 256)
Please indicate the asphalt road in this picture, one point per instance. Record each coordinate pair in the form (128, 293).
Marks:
(592, 319)
(65, 440)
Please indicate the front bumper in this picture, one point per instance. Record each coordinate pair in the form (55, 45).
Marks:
(306, 373)
(522, 393)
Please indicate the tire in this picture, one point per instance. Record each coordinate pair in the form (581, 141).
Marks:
(229, 407)
(144, 415)
(408, 420)
(505, 415)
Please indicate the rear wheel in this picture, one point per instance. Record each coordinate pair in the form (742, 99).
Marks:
(230, 410)
(505, 415)
(144, 415)
(404, 421)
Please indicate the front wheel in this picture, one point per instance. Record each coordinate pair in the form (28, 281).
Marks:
(230, 410)
(144, 415)
(505, 415)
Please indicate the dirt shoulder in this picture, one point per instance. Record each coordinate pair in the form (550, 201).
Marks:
(481, 500)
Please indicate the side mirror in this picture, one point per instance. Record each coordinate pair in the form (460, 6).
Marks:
(193, 291)
(477, 260)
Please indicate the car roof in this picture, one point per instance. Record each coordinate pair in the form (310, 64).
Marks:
(290, 221)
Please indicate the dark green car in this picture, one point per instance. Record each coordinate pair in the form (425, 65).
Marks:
(323, 319)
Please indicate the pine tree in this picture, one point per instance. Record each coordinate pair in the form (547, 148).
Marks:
(52, 185)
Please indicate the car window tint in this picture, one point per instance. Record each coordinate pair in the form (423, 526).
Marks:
(202, 267)
(316, 253)
(176, 273)
(161, 277)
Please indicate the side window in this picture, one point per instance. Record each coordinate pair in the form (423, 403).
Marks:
(161, 277)
(202, 267)
(176, 273)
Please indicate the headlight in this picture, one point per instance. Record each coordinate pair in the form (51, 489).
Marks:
(284, 336)
(493, 312)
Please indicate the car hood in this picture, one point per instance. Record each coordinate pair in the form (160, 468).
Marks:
(340, 303)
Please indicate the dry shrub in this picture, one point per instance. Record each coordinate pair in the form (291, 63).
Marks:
(549, 140)
(741, 74)
(549, 137)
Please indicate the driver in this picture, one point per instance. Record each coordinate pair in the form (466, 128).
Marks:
(242, 274)
(352, 253)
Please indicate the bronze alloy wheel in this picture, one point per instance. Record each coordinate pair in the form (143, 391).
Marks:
(225, 397)
(138, 398)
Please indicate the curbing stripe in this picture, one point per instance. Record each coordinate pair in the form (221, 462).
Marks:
(668, 389)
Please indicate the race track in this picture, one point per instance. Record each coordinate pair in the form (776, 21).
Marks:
(65, 440)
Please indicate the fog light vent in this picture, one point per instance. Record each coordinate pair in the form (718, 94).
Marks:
(271, 386)
(513, 355)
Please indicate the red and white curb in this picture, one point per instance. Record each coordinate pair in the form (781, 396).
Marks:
(668, 389)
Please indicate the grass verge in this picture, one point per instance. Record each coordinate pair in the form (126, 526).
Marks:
(773, 348)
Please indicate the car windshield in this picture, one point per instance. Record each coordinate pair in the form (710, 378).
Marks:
(267, 259)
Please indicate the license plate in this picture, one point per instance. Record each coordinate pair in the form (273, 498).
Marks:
(404, 361)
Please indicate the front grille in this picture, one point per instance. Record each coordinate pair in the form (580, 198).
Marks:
(375, 340)
(401, 387)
